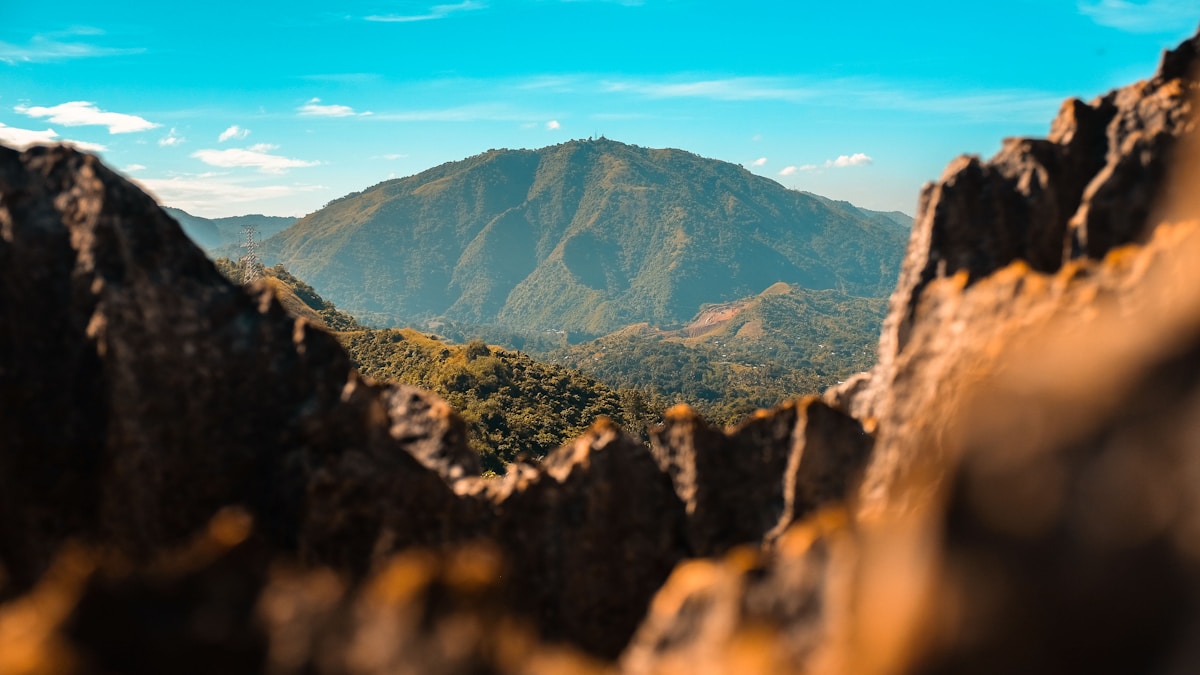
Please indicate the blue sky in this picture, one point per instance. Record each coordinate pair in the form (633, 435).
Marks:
(226, 108)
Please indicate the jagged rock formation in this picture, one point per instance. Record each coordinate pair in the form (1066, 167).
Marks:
(1049, 205)
(1029, 443)
(773, 469)
(141, 392)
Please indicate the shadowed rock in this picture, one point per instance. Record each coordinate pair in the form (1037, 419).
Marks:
(593, 532)
(772, 469)
(140, 391)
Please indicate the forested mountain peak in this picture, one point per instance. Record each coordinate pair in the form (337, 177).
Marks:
(586, 236)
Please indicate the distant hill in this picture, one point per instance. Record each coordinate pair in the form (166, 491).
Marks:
(215, 233)
(584, 237)
(735, 357)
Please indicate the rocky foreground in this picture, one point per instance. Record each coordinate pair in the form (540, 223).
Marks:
(193, 480)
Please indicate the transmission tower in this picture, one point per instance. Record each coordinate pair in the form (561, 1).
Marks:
(252, 267)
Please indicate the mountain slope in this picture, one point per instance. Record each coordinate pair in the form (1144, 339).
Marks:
(735, 357)
(512, 404)
(213, 233)
(586, 236)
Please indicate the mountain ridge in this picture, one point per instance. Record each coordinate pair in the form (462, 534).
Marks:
(584, 236)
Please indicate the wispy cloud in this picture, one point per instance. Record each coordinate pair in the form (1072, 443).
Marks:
(481, 112)
(342, 78)
(435, 12)
(856, 93)
(627, 3)
(58, 46)
(314, 108)
(391, 156)
(553, 125)
(85, 113)
(20, 139)
(134, 168)
(788, 170)
(759, 162)
(233, 132)
(256, 156)
(205, 196)
(1149, 16)
(728, 89)
(171, 140)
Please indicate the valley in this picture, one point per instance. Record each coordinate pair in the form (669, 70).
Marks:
(585, 237)
(653, 277)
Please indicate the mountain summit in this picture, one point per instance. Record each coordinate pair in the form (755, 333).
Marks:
(585, 236)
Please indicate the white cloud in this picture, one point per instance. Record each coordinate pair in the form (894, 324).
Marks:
(1148, 16)
(233, 132)
(85, 113)
(84, 145)
(843, 161)
(759, 162)
(435, 12)
(134, 168)
(23, 138)
(314, 108)
(491, 112)
(787, 171)
(171, 140)
(729, 89)
(204, 196)
(20, 139)
(552, 125)
(256, 156)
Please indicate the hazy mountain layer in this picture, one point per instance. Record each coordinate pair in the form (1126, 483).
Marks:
(586, 236)
(214, 233)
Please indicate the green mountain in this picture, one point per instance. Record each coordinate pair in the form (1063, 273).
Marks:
(584, 237)
(215, 233)
(732, 358)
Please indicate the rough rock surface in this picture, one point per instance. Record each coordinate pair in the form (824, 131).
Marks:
(1045, 206)
(748, 611)
(597, 515)
(140, 392)
(773, 469)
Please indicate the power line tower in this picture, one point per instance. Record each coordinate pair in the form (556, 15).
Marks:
(252, 267)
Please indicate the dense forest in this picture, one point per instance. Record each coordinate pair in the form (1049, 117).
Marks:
(730, 360)
(514, 406)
